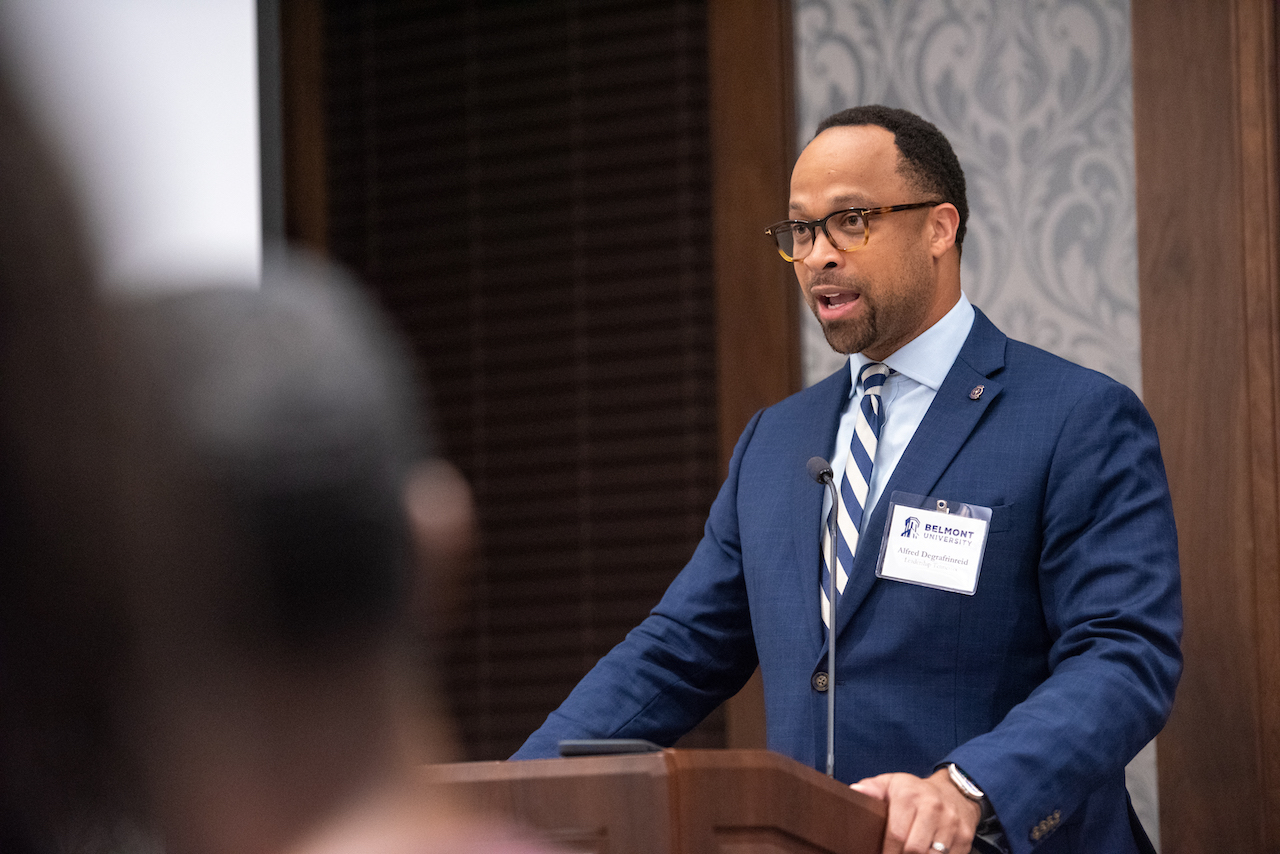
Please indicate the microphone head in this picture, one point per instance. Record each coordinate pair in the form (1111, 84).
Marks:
(819, 469)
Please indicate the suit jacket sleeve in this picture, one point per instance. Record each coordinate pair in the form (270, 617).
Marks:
(1109, 587)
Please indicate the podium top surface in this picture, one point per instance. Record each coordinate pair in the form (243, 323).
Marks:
(678, 801)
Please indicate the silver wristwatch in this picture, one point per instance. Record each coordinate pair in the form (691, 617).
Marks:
(971, 791)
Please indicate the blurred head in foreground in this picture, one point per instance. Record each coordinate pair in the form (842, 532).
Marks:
(274, 433)
(287, 525)
(220, 525)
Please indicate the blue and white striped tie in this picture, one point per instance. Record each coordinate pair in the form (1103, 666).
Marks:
(854, 483)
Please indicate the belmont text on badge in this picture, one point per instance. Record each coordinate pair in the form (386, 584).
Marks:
(933, 548)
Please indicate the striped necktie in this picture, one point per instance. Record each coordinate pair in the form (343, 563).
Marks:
(855, 482)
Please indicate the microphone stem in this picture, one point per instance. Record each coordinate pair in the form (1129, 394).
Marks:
(831, 633)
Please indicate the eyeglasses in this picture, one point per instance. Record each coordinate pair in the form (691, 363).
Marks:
(847, 230)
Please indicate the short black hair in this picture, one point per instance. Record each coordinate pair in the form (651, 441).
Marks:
(927, 160)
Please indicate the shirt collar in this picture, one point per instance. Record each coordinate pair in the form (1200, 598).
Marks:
(928, 357)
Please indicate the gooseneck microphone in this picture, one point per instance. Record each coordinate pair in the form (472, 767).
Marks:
(820, 470)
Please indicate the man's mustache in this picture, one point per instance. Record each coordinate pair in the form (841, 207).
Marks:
(838, 280)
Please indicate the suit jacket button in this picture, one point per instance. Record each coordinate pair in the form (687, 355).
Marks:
(819, 681)
(1047, 825)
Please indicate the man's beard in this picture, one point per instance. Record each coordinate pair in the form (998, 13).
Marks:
(904, 299)
(851, 335)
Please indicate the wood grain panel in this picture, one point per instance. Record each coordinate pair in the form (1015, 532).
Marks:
(1205, 132)
(753, 149)
(590, 804)
(677, 801)
(752, 115)
(768, 802)
(1255, 73)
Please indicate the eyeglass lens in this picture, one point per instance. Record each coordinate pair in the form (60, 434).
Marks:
(846, 229)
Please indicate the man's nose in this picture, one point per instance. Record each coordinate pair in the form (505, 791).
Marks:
(824, 254)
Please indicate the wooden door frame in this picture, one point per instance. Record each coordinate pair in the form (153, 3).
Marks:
(751, 78)
(1208, 202)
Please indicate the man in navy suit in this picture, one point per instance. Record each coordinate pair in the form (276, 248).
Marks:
(996, 712)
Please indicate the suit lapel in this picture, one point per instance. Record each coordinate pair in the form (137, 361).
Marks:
(937, 441)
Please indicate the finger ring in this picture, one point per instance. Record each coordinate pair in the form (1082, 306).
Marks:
(939, 847)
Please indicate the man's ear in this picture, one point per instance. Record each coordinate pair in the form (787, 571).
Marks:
(442, 523)
(944, 221)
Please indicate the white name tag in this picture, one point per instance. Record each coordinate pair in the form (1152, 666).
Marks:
(934, 542)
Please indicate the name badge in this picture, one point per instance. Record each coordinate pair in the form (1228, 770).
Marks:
(934, 542)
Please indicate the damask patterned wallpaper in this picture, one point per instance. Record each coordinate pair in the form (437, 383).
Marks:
(1037, 99)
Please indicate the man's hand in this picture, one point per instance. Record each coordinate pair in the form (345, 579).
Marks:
(923, 812)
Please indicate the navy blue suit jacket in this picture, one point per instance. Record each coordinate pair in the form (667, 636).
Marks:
(1041, 686)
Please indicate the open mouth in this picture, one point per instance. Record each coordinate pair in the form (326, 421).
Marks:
(836, 303)
(837, 300)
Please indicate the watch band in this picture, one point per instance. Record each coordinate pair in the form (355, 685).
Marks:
(971, 791)
(964, 784)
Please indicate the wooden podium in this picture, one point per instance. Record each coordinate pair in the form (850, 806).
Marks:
(675, 802)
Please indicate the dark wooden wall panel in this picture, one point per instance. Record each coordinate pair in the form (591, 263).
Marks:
(302, 107)
(1207, 190)
(757, 296)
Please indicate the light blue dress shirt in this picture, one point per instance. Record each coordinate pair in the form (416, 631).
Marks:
(920, 366)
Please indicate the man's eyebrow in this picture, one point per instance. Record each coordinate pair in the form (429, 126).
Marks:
(854, 200)
(839, 203)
